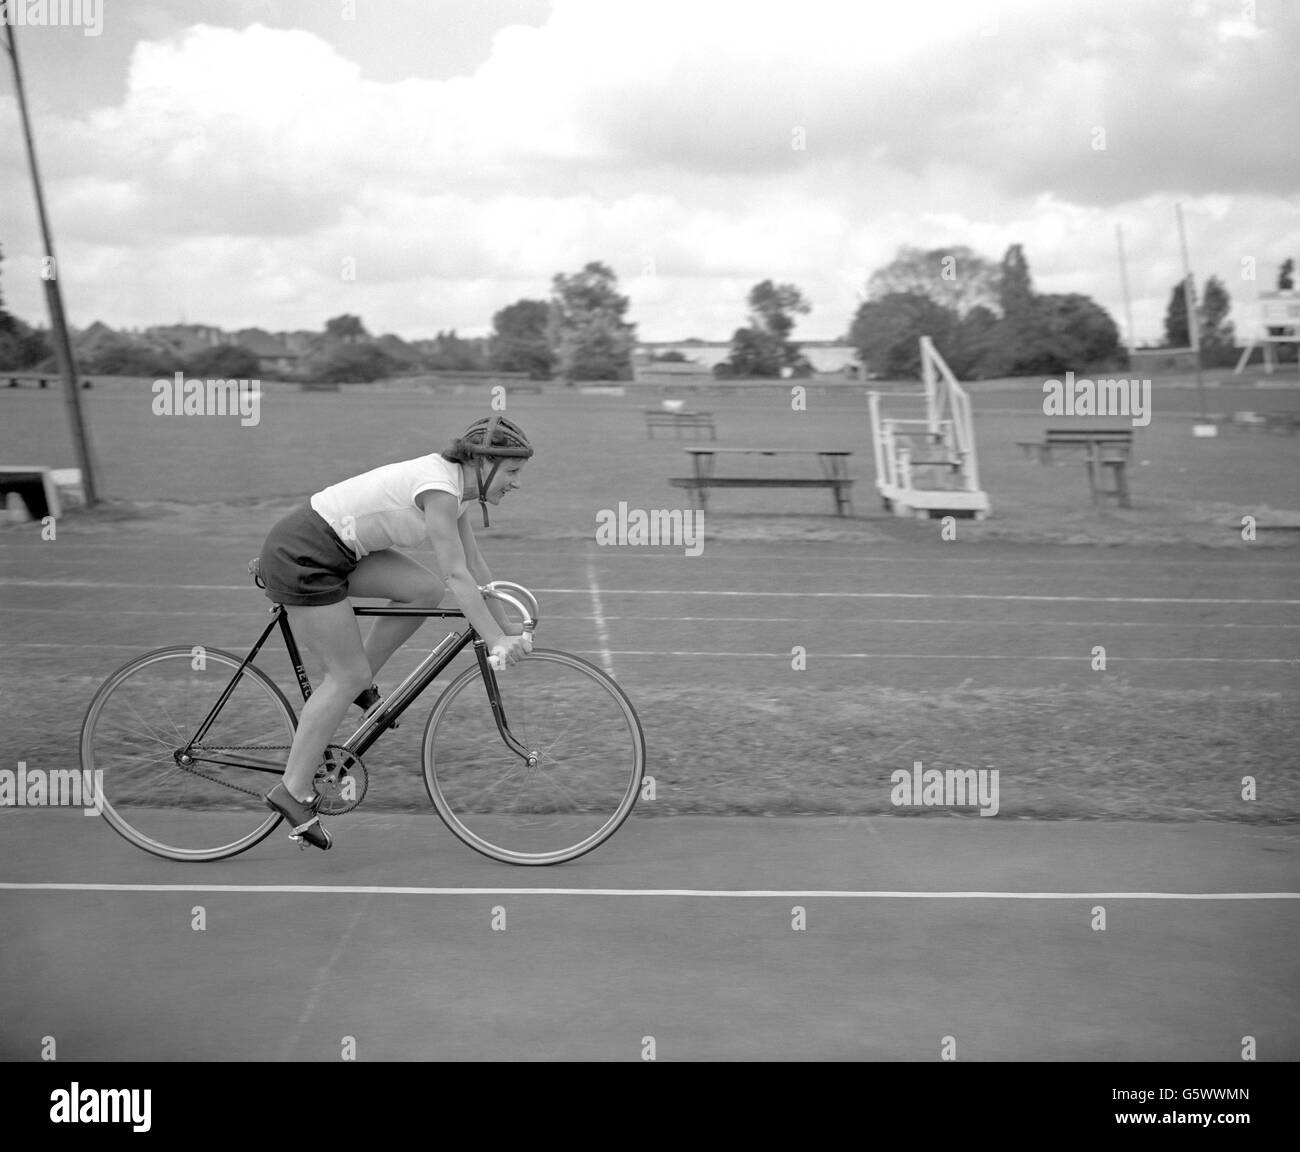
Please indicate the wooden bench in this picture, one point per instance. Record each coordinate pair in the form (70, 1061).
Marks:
(834, 466)
(1288, 422)
(16, 380)
(678, 420)
(1114, 440)
(1105, 449)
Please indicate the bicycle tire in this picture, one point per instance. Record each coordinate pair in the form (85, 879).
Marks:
(150, 799)
(573, 798)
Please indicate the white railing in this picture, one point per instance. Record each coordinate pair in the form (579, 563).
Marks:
(942, 433)
(948, 411)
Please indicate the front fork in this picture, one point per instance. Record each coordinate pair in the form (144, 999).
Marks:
(529, 756)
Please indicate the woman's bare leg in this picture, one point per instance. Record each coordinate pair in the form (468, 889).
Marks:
(330, 633)
(407, 584)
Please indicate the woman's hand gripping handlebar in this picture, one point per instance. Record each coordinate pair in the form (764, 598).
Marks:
(522, 601)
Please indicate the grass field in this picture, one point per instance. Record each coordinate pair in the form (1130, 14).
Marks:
(723, 738)
(595, 452)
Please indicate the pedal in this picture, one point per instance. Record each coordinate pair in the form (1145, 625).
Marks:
(370, 702)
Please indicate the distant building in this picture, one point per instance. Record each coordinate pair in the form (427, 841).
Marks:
(273, 356)
(828, 357)
(184, 340)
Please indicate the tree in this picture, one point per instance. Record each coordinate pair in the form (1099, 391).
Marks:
(1177, 334)
(585, 328)
(1078, 333)
(955, 278)
(1285, 275)
(754, 353)
(347, 328)
(451, 353)
(21, 346)
(225, 362)
(1023, 335)
(518, 341)
(8, 324)
(771, 307)
(24, 347)
(109, 353)
(887, 332)
(349, 364)
(1216, 332)
(764, 347)
(974, 351)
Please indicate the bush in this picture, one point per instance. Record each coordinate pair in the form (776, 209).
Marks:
(22, 347)
(225, 361)
(886, 332)
(118, 356)
(350, 364)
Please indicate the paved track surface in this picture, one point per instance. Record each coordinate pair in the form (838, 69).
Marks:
(896, 954)
(310, 949)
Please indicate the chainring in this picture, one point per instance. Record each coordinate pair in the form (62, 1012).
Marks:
(341, 782)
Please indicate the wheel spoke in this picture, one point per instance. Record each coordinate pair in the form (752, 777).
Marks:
(582, 784)
(147, 727)
(205, 811)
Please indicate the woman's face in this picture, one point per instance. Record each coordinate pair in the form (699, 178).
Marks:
(506, 479)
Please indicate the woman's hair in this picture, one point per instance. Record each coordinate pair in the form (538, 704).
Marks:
(457, 452)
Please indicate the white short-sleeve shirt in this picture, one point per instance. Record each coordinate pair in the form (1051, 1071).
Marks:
(377, 509)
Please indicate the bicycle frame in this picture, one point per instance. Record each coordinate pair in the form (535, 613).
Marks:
(393, 706)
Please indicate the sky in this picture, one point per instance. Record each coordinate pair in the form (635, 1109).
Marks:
(424, 163)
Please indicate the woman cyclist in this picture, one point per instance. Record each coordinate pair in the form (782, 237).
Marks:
(343, 543)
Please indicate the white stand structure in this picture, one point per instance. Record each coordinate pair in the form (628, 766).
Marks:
(1276, 310)
(926, 466)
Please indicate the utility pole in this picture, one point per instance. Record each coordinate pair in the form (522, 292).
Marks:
(53, 298)
(1123, 279)
(1189, 298)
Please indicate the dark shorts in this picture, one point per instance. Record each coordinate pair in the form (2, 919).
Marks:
(304, 562)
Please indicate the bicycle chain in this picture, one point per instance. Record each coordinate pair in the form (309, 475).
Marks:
(238, 748)
(226, 783)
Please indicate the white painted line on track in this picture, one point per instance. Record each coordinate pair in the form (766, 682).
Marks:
(598, 615)
(706, 592)
(851, 555)
(929, 596)
(863, 621)
(971, 656)
(606, 655)
(730, 893)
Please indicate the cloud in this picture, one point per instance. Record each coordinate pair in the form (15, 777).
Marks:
(697, 148)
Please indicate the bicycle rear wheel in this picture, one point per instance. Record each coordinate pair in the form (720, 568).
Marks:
(587, 760)
(177, 804)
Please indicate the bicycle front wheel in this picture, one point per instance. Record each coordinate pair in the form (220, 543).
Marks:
(166, 791)
(577, 783)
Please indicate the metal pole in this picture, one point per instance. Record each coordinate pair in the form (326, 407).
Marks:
(1189, 298)
(1128, 302)
(58, 325)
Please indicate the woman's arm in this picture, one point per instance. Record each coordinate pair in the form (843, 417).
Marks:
(440, 509)
(479, 570)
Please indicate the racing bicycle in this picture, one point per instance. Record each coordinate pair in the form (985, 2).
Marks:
(537, 765)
